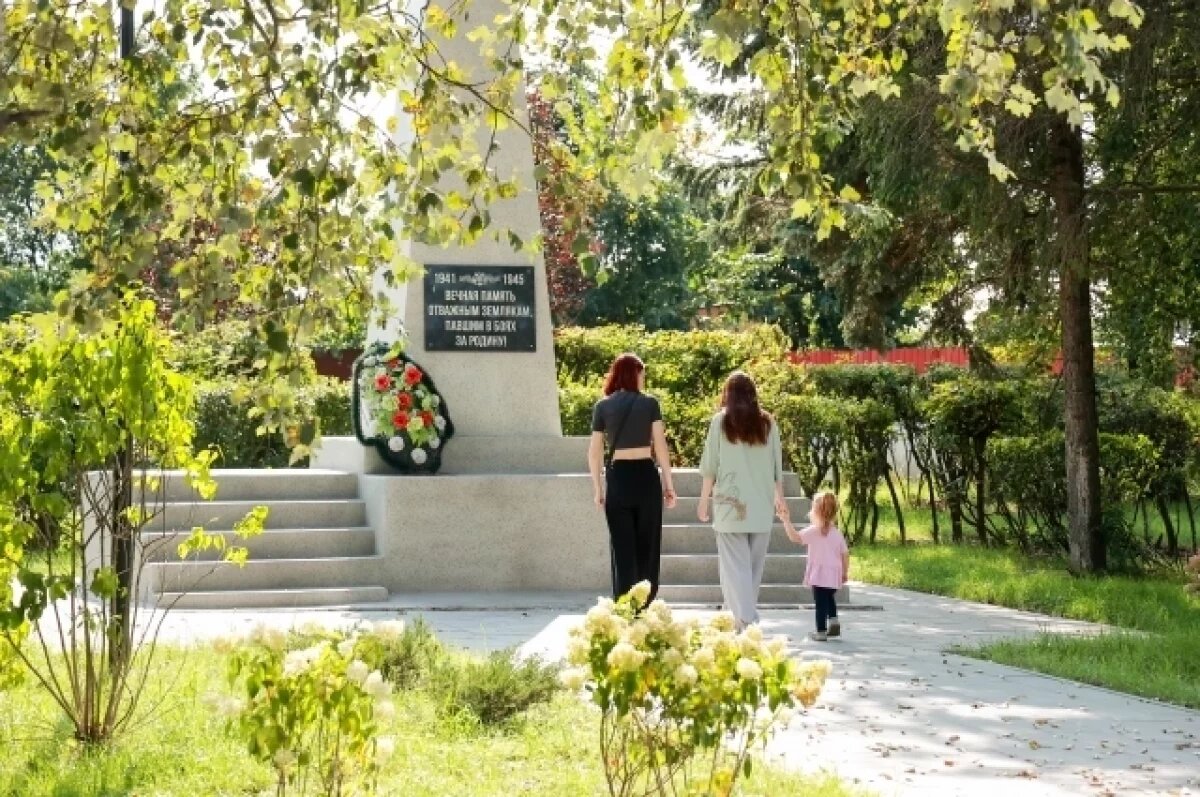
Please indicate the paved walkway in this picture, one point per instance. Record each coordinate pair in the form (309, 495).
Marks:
(899, 715)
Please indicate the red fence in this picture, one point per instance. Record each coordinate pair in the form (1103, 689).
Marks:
(920, 359)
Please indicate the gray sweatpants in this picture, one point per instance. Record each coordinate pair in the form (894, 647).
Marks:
(741, 558)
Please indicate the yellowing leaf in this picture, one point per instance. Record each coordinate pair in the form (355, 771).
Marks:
(884, 20)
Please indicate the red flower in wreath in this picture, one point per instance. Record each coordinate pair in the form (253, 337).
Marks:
(383, 382)
(400, 419)
(404, 401)
(412, 375)
(427, 417)
(393, 363)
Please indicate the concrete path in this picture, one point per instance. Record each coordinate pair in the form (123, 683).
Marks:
(899, 715)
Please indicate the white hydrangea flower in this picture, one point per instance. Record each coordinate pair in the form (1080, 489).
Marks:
(376, 687)
(626, 657)
(640, 592)
(704, 658)
(385, 747)
(686, 674)
(419, 456)
(386, 710)
(358, 671)
(298, 661)
(345, 648)
(778, 646)
(723, 621)
(785, 715)
(389, 628)
(753, 632)
(270, 638)
(440, 423)
(396, 443)
(435, 443)
(578, 649)
(574, 678)
(749, 669)
(636, 634)
(671, 658)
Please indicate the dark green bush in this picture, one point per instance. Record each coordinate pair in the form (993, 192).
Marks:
(495, 689)
(688, 363)
(224, 422)
(1028, 477)
(406, 659)
(812, 430)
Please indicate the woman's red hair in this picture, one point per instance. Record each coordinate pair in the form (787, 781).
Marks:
(745, 421)
(623, 375)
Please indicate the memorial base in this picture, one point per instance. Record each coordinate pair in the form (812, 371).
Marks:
(505, 514)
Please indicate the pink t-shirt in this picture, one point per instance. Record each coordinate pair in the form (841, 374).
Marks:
(825, 551)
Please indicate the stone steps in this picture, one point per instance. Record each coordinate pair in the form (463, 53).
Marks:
(703, 568)
(685, 509)
(699, 538)
(273, 544)
(689, 570)
(273, 598)
(316, 550)
(277, 484)
(285, 513)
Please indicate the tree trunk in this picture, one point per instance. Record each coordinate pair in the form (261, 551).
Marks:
(1084, 532)
(896, 505)
(981, 490)
(1168, 526)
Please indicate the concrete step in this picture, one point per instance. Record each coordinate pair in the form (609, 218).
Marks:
(703, 569)
(687, 482)
(273, 598)
(685, 510)
(262, 484)
(265, 574)
(699, 537)
(274, 544)
(789, 595)
(288, 514)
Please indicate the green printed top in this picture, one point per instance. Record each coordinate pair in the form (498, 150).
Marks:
(745, 476)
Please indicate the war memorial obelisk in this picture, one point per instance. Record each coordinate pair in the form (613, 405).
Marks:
(511, 507)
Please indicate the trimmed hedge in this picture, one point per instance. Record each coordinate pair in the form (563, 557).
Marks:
(224, 422)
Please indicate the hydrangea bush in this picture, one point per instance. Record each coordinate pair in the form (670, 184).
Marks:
(398, 410)
(313, 714)
(683, 704)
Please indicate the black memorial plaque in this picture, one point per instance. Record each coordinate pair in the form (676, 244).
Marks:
(479, 308)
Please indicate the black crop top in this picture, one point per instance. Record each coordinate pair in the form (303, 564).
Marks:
(639, 412)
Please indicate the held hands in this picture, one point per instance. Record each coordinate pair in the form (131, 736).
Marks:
(702, 510)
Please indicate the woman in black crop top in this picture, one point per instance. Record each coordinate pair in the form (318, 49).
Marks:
(633, 489)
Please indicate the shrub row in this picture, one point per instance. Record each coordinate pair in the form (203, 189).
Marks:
(988, 448)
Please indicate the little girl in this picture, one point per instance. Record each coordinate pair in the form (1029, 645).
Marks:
(828, 561)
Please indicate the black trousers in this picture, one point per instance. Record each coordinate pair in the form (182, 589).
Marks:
(825, 600)
(633, 506)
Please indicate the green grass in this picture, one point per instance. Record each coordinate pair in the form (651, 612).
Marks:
(1163, 662)
(184, 750)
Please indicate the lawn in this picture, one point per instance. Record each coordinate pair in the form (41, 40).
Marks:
(1154, 651)
(183, 749)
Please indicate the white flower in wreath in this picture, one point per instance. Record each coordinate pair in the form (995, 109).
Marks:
(370, 362)
(440, 423)
(419, 456)
(435, 443)
(437, 401)
(396, 444)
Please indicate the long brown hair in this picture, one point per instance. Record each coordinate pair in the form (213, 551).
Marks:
(745, 421)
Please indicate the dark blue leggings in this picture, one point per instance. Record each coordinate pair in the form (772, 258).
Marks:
(825, 601)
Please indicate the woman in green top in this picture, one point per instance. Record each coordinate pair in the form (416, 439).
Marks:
(742, 467)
